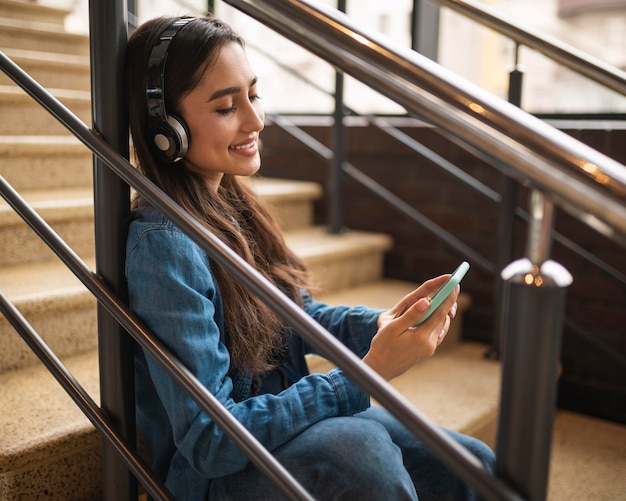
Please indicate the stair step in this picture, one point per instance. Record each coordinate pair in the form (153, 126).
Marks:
(588, 459)
(45, 162)
(63, 312)
(32, 35)
(290, 201)
(69, 212)
(55, 303)
(33, 11)
(22, 115)
(457, 388)
(339, 261)
(51, 70)
(48, 448)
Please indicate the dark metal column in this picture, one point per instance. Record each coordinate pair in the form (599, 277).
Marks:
(425, 28)
(506, 228)
(335, 179)
(534, 296)
(108, 33)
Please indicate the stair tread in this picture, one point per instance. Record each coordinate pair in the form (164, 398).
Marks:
(271, 189)
(14, 94)
(43, 58)
(38, 414)
(450, 389)
(470, 382)
(28, 283)
(37, 8)
(53, 204)
(31, 141)
(315, 244)
(42, 28)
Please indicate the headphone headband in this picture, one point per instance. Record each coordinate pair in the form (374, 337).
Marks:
(167, 134)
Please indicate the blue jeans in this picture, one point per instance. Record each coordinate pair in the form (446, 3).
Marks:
(369, 456)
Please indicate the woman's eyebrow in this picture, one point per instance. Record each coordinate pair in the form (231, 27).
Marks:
(230, 90)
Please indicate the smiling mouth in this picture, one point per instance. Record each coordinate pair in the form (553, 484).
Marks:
(243, 146)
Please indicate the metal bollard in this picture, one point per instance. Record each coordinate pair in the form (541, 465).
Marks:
(534, 298)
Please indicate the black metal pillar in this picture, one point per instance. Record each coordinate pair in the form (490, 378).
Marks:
(506, 228)
(335, 179)
(425, 28)
(534, 295)
(108, 34)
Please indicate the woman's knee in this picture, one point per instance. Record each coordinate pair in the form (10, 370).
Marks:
(348, 458)
(352, 444)
(478, 448)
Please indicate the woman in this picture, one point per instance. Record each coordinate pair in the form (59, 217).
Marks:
(195, 120)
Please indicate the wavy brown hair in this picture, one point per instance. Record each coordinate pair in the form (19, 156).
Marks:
(235, 213)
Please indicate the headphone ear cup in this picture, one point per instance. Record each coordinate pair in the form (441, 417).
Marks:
(171, 139)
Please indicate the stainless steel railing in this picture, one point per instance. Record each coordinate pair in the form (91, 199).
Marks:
(458, 459)
(568, 56)
(519, 144)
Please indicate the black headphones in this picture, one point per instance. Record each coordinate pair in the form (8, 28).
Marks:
(167, 134)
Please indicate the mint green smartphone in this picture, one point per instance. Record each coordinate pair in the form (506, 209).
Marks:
(444, 291)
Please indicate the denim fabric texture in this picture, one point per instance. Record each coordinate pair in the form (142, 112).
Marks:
(172, 289)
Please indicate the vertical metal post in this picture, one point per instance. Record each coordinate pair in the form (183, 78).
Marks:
(108, 34)
(335, 179)
(506, 228)
(534, 296)
(425, 28)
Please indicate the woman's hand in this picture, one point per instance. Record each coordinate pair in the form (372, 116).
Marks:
(397, 346)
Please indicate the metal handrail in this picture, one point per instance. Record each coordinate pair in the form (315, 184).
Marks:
(585, 182)
(386, 126)
(458, 459)
(568, 56)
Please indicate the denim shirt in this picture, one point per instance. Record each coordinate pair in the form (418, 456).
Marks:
(173, 290)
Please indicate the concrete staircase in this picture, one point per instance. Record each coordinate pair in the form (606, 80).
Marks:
(48, 449)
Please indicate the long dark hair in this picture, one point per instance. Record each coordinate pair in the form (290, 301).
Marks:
(235, 213)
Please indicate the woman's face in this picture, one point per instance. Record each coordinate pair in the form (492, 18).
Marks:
(224, 118)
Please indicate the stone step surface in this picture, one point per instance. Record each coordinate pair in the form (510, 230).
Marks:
(55, 303)
(51, 70)
(340, 261)
(64, 313)
(22, 115)
(33, 12)
(291, 202)
(47, 424)
(33, 35)
(45, 162)
(49, 448)
(69, 212)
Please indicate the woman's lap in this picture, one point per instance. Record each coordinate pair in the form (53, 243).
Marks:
(367, 456)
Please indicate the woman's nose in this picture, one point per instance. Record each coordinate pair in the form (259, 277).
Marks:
(255, 118)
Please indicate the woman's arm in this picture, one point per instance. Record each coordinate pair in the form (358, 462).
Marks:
(172, 289)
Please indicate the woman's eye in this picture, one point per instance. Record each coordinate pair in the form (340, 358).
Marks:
(226, 111)
(255, 97)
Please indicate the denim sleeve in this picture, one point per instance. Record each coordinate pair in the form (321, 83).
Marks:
(172, 289)
(354, 326)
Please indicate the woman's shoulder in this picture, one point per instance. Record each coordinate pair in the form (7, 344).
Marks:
(146, 221)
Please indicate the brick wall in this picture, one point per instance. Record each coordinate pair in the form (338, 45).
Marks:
(592, 381)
